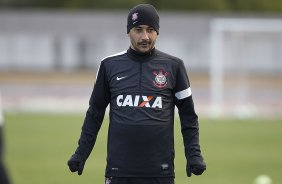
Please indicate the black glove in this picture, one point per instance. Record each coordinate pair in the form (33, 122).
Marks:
(195, 165)
(76, 163)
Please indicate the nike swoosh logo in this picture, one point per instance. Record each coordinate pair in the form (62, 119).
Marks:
(119, 78)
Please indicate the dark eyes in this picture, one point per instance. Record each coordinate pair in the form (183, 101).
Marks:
(138, 29)
(149, 30)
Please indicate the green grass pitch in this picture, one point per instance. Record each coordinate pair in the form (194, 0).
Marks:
(236, 151)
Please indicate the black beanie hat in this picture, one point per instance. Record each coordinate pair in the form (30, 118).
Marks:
(143, 14)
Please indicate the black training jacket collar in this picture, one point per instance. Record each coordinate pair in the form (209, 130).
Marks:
(139, 56)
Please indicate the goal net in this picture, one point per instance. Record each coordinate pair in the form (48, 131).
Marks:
(246, 67)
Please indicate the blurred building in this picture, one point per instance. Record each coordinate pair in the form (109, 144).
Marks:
(73, 40)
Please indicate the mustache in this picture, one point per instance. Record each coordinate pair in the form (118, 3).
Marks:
(144, 42)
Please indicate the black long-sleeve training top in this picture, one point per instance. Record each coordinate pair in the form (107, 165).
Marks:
(142, 90)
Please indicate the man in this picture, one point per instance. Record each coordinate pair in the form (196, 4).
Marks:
(142, 86)
(3, 173)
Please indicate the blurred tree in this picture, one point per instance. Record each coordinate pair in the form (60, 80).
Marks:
(155, 3)
(187, 5)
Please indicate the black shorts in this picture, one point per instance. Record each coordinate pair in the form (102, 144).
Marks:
(118, 180)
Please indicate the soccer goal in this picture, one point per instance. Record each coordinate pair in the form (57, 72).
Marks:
(245, 66)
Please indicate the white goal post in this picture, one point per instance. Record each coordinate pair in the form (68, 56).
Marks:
(219, 27)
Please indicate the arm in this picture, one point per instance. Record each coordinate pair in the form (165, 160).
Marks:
(93, 120)
(189, 123)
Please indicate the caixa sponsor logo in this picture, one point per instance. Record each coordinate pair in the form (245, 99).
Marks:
(139, 101)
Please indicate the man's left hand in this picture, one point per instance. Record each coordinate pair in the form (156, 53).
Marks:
(195, 165)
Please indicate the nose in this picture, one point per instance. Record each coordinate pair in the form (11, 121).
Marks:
(145, 35)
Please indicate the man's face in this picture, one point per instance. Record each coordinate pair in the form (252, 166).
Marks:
(143, 38)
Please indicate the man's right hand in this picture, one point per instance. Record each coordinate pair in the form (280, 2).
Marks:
(76, 164)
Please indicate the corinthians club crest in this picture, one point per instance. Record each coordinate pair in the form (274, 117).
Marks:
(160, 79)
